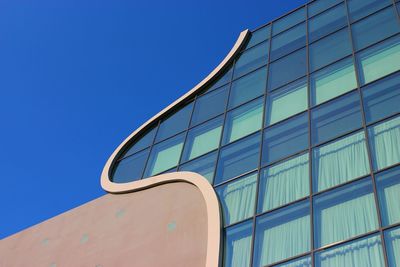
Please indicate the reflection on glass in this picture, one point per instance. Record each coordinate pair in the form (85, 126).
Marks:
(333, 81)
(204, 166)
(361, 8)
(222, 80)
(143, 142)
(344, 212)
(237, 198)
(251, 59)
(288, 21)
(302, 262)
(238, 245)
(130, 168)
(284, 183)
(288, 41)
(243, 121)
(259, 36)
(366, 252)
(164, 155)
(282, 234)
(340, 161)
(316, 7)
(385, 143)
(287, 101)
(392, 240)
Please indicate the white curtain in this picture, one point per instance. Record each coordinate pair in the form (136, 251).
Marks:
(238, 198)
(286, 182)
(340, 161)
(241, 252)
(392, 203)
(393, 247)
(385, 139)
(303, 262)
(364, 253)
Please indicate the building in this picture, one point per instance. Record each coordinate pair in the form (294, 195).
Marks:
(297, 131)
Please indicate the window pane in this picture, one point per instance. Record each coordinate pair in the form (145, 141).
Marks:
(382, 98)
(288, 41)
(385, 143)
(288, 21)
(143, 142)
(379, 60)
(238, 158)
(333, 81)
(392, 240)
(131, 168)
(330, 49)
(248, 87)
(302, 262)
(344, 212)
(238, 245)
(174, 124)
(222, 80)
(319, 6)
(237, 198)
(203, 139)
(337, 117)
(251, 59)
(388, 184)
(259, 36)
(340, 161)
(164, 155)
(210, 105)
(282, 234)
(366, 252)
(327, 22)
(204, 166)
(375, 28)
(362, 8)
(285, 139)
(287, 69)
(287, 101)
(284, 183)
(243, 121)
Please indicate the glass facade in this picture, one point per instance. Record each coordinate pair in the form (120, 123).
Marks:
(300, 137)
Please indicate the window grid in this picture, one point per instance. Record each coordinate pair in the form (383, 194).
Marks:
(312, 194)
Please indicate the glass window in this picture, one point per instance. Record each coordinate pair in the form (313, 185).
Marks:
(333, 81)
(259, 36)
(366, 252)
(330, 49)
(375, 28)
(204, 166)
(210, 105)
(251, 59)
(282, 234)
(344, 212)
(340, 161)
(144, 141)
(248, 87)
(379, 60)
(361, 8)
(175, 123)
(130, 168)
(285, 139)
(388, 184)
(243, 121)
(237, 198)
(385, 143)
(287, 101)
(165, 155)
(284, 183)
(318, 6)
(327, 22)
(382, 98)
(238, 158)
(302, 262)
(203, 139)
(287, 69)
(337, 117)
(238, 245)
(392, 240)
(288, 21)
(222, 80)
(288, 41)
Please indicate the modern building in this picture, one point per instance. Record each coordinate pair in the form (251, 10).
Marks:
(296, 133)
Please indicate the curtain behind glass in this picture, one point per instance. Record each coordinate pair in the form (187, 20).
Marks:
(241, 252)
(388, 184)
(392, 240)
(339, 162)
(385, 143)
(303, 262)
(285, 182)
(359, 253)
(205, 142)
(238, 245)
(245, 123)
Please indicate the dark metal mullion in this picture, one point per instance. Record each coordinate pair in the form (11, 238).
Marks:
(287, 259)
(396, 9)
(332, 7)
(253, 237)
(367, 142)
(150, 150)
(369, 15)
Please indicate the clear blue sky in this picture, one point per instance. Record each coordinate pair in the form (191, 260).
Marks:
(78, 76)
